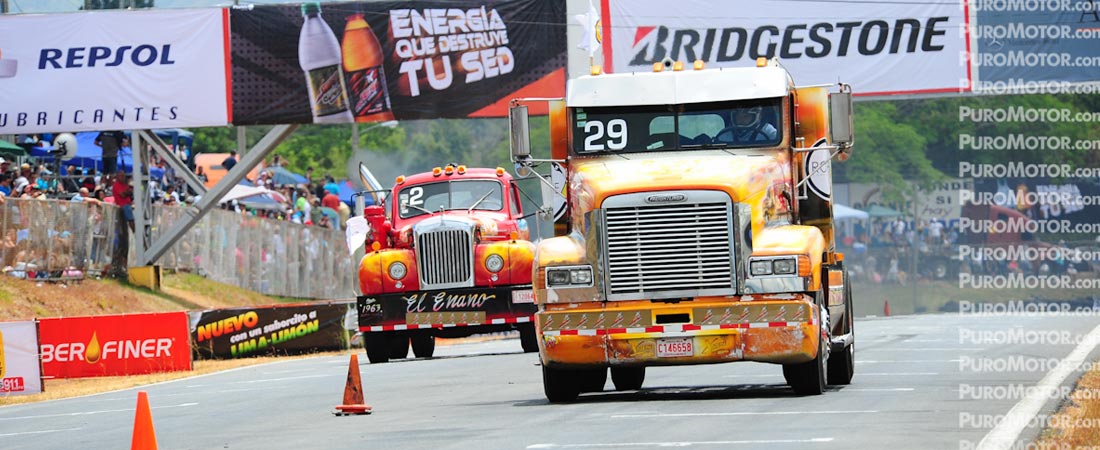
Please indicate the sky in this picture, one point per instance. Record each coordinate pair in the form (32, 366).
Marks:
(54, 6)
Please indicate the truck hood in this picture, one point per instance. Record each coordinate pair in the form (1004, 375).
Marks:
(746, 177)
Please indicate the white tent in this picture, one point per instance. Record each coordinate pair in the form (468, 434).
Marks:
(841, 212)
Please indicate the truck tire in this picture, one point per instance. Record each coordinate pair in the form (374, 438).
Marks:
(559, 385)
(527, 338)
(423, 344)
(627, 378)
(592, 380)
(399, 346)
(843, 366)
(808, 378)
(377, 345)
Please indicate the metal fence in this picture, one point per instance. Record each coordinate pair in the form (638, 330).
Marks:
(267, 256)
(58, 240)
(55, 239)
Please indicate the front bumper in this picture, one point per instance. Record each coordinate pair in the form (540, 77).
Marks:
(628, 333)
(446, 308)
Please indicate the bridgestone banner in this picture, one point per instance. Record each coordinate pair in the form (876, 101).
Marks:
(243, 332)
(113, 70)
(880, 48)
(128, 344)
(20, 372)
(380, 61)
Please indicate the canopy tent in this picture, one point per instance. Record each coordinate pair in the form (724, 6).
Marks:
(89, 155)
(882, 211)
(11, 150)
(281, 176)
(841, 212)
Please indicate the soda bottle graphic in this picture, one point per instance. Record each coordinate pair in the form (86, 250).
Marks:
(319, 56)
(370, 100)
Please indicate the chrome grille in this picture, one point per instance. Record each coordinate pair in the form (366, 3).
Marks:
(445, 258)
(667, 250)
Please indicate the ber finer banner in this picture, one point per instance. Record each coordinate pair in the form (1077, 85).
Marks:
(880, 48)
(20, 372)
(127, 344)
(113, 70)
(241, 332)
(380, 61)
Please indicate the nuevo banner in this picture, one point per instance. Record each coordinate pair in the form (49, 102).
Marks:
(114, 345)
(380, 61)
(20, 372)
(113, 70)
(880, 48)
(238, 332)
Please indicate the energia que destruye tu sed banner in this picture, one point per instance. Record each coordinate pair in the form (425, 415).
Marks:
(380, 61)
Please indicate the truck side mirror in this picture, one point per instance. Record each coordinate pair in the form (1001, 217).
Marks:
(519, 132)
(840, 120)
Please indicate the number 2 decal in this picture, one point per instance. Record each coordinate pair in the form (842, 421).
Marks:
(616, 135)
(415, 195)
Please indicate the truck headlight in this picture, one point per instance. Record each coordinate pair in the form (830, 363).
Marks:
(398, 270)
(494, 263)
(570, 276)
(793, 265)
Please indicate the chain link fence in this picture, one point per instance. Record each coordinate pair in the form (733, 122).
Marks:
(262, 255)
(55, 239)
(59, 240)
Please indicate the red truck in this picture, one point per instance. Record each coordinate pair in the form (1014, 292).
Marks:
(448, 254)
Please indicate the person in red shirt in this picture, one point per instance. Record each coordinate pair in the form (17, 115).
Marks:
(330, 200)
(124, 197)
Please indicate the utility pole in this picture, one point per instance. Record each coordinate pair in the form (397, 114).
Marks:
(3, 6)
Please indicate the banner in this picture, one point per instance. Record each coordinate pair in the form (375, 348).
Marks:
(381, 61)
(20, 372)
(113, 70)
(880, 48)
(129, 344)
(1021, 44)
(241, 332)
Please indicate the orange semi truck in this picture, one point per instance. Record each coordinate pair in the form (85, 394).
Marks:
(447, 255)
(697, 227)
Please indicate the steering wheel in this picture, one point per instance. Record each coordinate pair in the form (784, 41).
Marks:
(736, 134)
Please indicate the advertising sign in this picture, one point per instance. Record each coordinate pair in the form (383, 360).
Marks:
(128, 344)
(880, 48)
(20, 372)
(239, 332)
(381, 61)
(113, 70)
(1022, 46)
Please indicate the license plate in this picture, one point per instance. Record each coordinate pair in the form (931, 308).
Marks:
(670, 347)
(523, 296)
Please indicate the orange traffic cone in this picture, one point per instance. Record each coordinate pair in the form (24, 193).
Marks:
(886, 308)
(144, 436)
(353, 392)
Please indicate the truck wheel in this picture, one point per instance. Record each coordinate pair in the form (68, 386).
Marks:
(527, 338)
(592, 380)
(399, 346)
(808, 378)
(560, 385)
(627, 378)
(842, 366)
(378, 347)
(423, 344)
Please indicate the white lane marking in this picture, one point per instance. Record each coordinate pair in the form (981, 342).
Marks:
(683, 443)
(878, 389)
(39, 432)
(264, 380)
(1006, 432)
(740, 413)
(899, 374)
(89, 413)
(924, 349)
(899, 361)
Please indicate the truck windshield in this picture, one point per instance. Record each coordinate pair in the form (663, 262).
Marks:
(448, 195)
(734, 124)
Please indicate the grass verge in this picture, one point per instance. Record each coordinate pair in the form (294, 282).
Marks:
(1077, 424)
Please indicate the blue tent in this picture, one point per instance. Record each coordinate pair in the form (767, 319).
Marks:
(89, 155)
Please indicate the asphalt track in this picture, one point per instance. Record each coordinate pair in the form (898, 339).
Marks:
(922, 382)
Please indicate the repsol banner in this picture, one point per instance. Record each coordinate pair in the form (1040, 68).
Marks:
(20, 372)
(240, 332)
(129, 344)
(380, 61)
(880, 48)
(113, 70)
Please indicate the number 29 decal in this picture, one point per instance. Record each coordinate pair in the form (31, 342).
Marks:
(596, 139)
